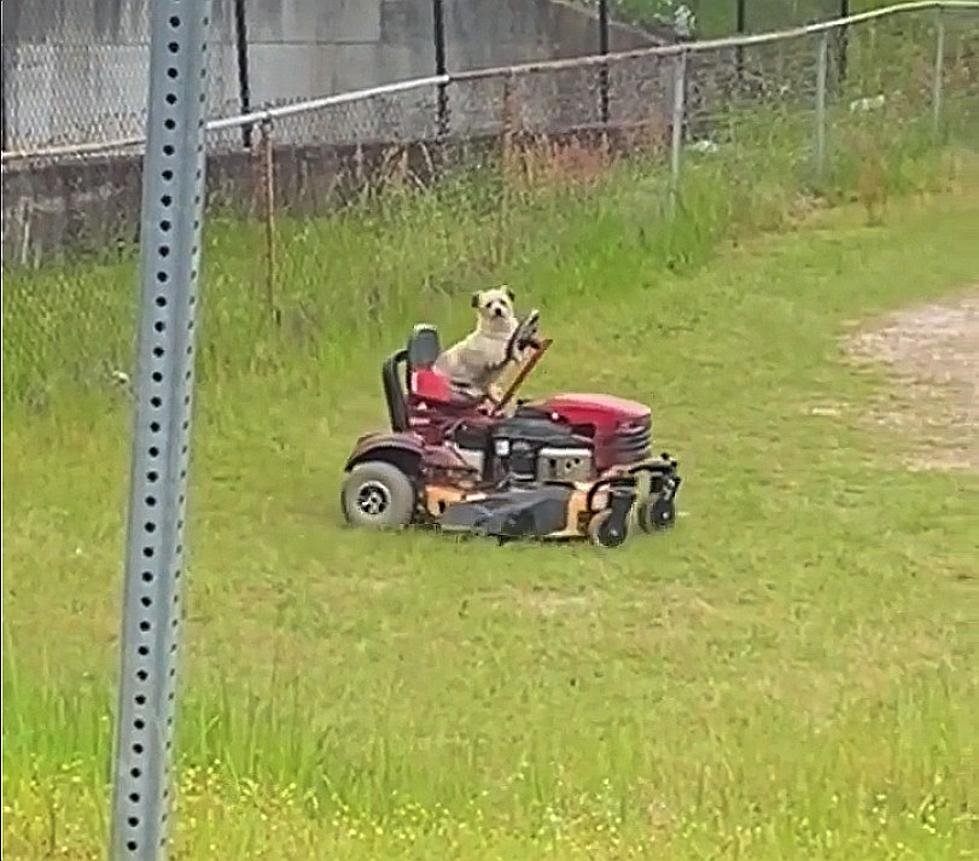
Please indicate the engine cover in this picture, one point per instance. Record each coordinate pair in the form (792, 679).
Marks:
(619, 431)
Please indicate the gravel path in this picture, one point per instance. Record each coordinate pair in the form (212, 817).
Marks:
(933, 354)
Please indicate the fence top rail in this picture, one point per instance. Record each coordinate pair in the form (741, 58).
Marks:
(271, 114)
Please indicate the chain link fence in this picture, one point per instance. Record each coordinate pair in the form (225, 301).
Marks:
(78, 73)
(828, 111)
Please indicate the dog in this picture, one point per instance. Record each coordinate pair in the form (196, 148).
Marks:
(475, 363)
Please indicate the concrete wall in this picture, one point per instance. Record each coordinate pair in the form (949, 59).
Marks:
(76, 70)
(92, 206)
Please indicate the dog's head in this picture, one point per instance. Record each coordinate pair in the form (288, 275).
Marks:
(494, 308)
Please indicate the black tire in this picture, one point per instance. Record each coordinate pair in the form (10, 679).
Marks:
(601, 532)
(656, 515)
(377, 495)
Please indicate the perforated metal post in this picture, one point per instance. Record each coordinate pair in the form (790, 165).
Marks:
(939, 73)
(172, 209)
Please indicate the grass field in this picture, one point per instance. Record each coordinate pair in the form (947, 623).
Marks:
(788, 674)
(716, 18)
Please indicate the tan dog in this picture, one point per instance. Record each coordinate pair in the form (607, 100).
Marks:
(478, 360)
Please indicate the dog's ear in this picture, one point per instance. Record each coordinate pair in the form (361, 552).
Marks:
(509, 293)
(475, 299)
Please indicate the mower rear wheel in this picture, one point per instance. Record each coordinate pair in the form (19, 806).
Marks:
(603, 532)
(378, 495)
(656, 515)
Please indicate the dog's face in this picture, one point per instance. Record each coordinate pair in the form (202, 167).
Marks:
(494, 307)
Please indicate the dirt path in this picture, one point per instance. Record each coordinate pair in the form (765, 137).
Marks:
(933, 354)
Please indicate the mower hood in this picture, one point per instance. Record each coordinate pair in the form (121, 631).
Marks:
(604, 411)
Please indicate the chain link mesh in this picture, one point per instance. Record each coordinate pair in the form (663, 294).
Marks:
(79, 73)
(749, 117)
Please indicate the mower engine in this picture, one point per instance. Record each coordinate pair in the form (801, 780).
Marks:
(567, 439)
(531, 446)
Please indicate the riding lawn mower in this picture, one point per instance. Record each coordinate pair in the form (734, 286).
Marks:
(566, 466)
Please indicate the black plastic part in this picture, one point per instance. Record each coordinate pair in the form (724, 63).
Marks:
(621, 499)
(518, 513)
(472, 437)
(423, 346)
(658, 511)
(536, 429)
(524, 335)
(662, 513)
(624, 483)
(394, 395)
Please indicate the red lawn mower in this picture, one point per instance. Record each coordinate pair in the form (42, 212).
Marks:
(568, 466)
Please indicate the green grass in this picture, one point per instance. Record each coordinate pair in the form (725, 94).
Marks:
(786, 675)
(716, 18)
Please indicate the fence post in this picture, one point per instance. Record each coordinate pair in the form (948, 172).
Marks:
(844, 42)
(442, 95)
(679, 109)
(939, 73)
(741, 24)
(506, 155)
(172, 212)
(821, 63)
(603, 71)
(268, 203)
(244, 84)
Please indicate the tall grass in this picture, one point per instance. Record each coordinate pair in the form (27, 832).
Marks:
(354, 277)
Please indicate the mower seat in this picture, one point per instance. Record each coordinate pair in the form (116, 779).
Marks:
(423, 347)
(425, 384)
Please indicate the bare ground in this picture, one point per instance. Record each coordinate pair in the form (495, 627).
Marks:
(932, 352)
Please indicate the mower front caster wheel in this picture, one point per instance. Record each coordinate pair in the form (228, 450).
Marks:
(656, 514)
(604, 531)
(378, 495)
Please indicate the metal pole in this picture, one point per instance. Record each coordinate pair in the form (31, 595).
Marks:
(679, 108)
(506, 142)
(172, 211)
(442, 103)
(244, 84)
(844, 41)
(268, 197)
(741, 25)
(603, 49)
(939, 73)
(821, 58)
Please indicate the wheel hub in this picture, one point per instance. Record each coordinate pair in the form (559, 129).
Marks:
(372, 499)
